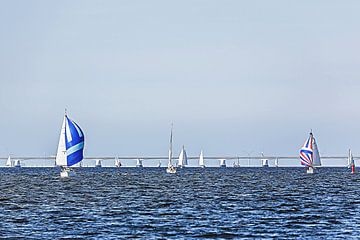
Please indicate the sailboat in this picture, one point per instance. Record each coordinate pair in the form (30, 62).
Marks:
(264, 161)
(237, 164)
(71, 147)
(159, 164)
(277, 162)
(17, 163)
(117, 162)
(139, 163)
(223, 163)
(201, 160)
(170, 168)
(9, 162)
(98, 163)
(309, 154)
(183, 161)
(351, 162)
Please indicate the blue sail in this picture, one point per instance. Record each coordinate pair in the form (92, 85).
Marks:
(74, 142)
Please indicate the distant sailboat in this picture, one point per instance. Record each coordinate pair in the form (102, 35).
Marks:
(276, 162)
(351, 162)
(170, 168)
(117, 162)
(139, 163)
(159, 164)
(183, 160)
(17, 163)
(9, 162)
(309, 154)
(201, 160)
(237, 164)
(71, 146)
(223, 163)
(264, 161)
(98, 163)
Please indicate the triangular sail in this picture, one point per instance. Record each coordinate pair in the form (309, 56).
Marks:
(306, 152)
(61, 152)
(185, 158)
(9, 162)
(201, 159)
(316, 155)
(182, 161)
(71, 144)
(181, 158)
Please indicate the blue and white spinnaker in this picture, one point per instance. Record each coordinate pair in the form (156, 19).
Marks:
(71, 144)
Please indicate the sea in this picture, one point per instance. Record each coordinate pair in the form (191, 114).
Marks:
(195, 203)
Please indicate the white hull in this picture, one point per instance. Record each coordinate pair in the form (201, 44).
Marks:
(65, 173)
(310, 170)
(202, 166)
(171, 170)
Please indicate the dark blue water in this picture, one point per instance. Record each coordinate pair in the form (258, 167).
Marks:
(147, 203)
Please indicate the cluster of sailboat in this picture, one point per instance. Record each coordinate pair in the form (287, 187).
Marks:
(71, 151)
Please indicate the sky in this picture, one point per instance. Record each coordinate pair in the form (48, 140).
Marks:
(234, 77)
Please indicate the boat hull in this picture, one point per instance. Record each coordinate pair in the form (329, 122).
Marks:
(65, 173)
(171, 170)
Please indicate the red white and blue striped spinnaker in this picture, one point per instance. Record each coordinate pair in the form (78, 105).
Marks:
(306, 152)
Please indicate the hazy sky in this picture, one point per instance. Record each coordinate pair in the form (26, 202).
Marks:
(233, 76)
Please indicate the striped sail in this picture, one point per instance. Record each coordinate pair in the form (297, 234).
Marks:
(306, 152)
(71, 144)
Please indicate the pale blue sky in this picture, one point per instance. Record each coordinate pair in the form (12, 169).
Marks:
(233, 76)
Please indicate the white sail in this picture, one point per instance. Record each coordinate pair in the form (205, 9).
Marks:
(17, 163)
(181, 158)
(264, 162)
(276, 162)
(201, 159)
(61, 151)
(139, 163)
(98, 163)
(350, 159)
(117, 162)
(185, 157)
(182, 161)
(316, 155)
(9, 162)
(222, 162)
